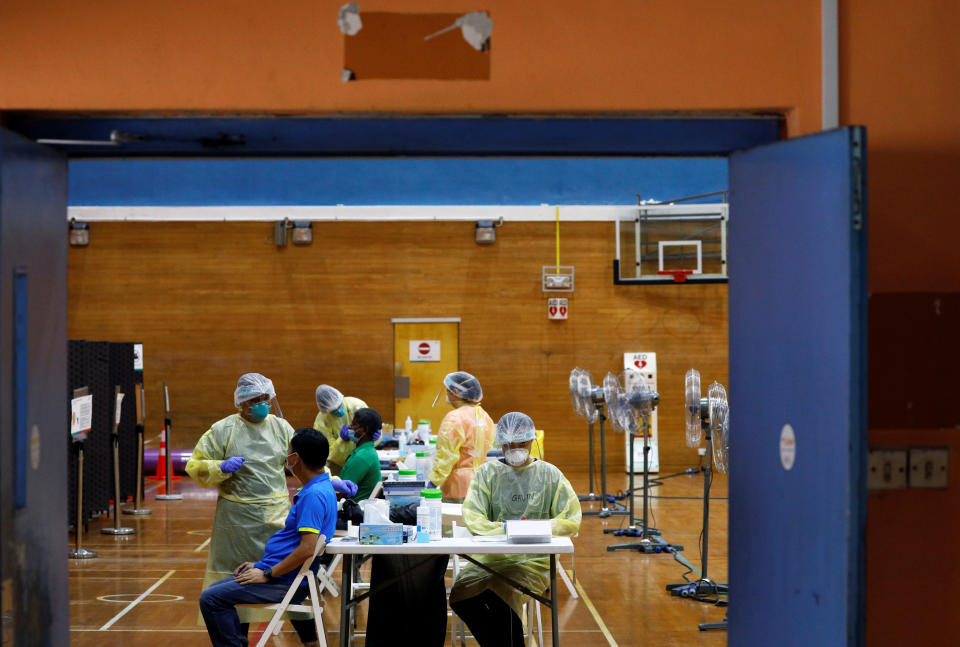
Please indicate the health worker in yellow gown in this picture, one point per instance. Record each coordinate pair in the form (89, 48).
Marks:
(243, 455)
(465, 436)
(333, 421)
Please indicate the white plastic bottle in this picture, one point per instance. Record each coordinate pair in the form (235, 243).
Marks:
(423, 523)
(422, 463)
(402, 444)
(408, 425)
(433, 499)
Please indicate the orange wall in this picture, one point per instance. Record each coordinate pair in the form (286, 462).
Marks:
(285, 57)
(899, 69)
(900, 76)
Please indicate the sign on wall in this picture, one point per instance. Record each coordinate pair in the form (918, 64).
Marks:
(646, 365)
(557, 308)
(424, 350)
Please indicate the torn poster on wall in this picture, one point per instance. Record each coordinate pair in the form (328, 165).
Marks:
(441, 46)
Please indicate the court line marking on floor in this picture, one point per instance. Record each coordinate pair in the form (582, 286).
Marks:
(182, 630)
(593, 611)
(202, 546)
(136, 602)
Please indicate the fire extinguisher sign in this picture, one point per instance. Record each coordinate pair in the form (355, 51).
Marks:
(557, 308)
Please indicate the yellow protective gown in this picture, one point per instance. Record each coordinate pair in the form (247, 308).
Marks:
(329, 425)
(465, 437)
(253, 502)
(499, 493)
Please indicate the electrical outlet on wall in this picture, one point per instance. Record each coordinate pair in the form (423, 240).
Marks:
(887, 469)
(929, 467)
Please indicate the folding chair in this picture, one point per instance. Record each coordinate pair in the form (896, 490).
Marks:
(326, 580)
(531, 606)
(283, 607)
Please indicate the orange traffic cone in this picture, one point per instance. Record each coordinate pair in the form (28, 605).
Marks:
(161, 474)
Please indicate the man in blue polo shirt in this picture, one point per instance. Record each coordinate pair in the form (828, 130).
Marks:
(314, 513)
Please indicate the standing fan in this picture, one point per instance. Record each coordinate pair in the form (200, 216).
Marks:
(630, 402)
(587, 402)
(708, 417)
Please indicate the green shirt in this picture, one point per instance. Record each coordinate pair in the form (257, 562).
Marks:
(363, 468)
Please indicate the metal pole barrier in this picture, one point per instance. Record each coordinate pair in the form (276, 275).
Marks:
(115, 438)
(168, 494)
(138, 508)
(79, 552)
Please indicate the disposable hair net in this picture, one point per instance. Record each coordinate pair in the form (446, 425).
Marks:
(464, 386)
(252, 385)
(515, 427)
(328, 398)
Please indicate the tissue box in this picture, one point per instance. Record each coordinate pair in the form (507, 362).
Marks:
(381, 533)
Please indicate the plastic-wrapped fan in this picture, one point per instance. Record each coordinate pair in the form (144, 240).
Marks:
(719, 426)
(581, 395)
(586, 397)
(692, 408)
(575, 391)
(641, 398)
(619, 411)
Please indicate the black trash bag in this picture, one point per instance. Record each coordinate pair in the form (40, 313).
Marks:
(405, 514)
(349, 511)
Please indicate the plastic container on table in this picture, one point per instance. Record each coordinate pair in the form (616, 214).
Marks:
(433, 499)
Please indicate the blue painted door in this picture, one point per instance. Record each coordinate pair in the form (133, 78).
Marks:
(798, 306)
(33, 392)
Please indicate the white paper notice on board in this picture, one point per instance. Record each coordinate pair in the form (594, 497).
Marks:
(424, 350)
(138, 357)
(81, 415)
(117, 409)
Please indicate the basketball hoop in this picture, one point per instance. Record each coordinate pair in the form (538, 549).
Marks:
(679, 276)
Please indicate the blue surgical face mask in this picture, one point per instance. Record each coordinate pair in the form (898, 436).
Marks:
(339, 413)
(259, 411)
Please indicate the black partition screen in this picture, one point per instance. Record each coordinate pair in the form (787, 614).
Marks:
(101, 366)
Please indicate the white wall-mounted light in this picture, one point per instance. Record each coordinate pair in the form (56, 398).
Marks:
(557, 278)
(79, 233)
(302, 232)
(486, 232)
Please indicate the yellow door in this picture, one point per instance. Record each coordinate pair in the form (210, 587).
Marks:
(424, 351)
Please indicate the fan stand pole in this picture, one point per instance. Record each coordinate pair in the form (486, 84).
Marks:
(591, 496)
(650, 541)
(604, 511)
(700, 589)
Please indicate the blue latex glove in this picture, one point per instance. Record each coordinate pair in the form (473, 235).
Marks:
(345, 433)
(232, 464)
(430, 484)
(376, 435)
(347, 488)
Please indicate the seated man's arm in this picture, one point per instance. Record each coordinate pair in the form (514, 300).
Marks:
(300, 554)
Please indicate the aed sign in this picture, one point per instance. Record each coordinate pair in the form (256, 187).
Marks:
(424, 350)
(556, 308)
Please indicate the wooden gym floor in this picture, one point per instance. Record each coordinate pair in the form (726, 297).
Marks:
(142, 589)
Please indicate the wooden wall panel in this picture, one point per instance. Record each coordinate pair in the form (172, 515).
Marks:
(213, 300)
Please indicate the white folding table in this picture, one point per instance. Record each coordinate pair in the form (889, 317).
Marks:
(465, 547)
